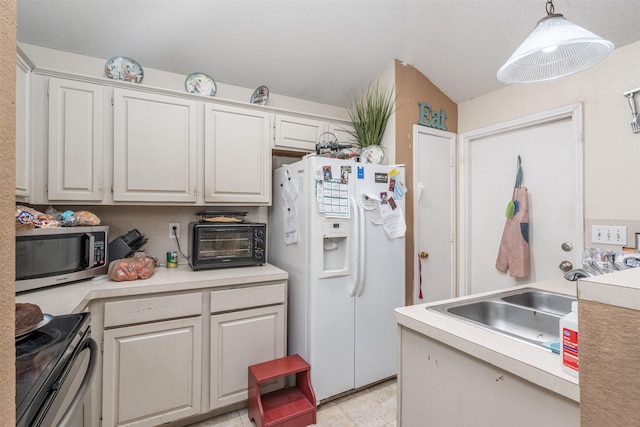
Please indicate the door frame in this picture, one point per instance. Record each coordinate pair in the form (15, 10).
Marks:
(417, 130)
(572, 112)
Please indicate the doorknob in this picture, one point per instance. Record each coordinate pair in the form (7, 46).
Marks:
(565, 266)
(424, 255)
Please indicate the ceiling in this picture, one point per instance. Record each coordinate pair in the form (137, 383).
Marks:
(326, 51)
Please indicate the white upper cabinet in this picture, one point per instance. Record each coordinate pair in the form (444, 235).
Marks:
(297, 133)
(89, 140)
(237, 155)
(23, 146)
(342, 133)
(302, 134)
(76, 138)
(154, 147)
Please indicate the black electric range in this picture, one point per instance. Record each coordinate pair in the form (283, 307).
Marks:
(43, 359)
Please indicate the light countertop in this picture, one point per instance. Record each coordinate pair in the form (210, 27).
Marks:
(531, 362)
(621, 288)
(75, 297)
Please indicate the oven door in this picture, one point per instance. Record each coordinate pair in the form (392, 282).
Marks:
(68, 404)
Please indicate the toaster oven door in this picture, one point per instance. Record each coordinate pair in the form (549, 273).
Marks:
(232, 246)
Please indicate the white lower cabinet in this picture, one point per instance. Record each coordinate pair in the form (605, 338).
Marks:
(171, 356)
(238, 340)
(440, 385)
(152, 372)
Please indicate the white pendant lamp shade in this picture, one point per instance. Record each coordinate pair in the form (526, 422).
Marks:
(555, 48)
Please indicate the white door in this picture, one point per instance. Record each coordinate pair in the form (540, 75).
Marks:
(240, 339)
(76, 138)
(434, 208)
(234, 137)
(153, 373)
(550, 145)
(382, 279)
(154, 147)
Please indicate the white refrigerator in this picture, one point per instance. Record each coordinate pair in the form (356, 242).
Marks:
(338, 228)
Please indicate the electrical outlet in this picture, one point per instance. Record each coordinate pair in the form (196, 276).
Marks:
(177, 233)
(609, 234)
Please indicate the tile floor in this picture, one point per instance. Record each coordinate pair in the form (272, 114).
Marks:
(372, 407)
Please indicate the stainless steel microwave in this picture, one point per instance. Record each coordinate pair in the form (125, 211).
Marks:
(221, 245)
(51, 256)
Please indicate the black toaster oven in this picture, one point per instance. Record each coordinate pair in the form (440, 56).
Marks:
(221, 245)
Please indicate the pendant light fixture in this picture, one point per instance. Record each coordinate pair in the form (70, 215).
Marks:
(555, 48)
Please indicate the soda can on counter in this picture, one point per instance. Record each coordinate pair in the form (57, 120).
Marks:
(172, 259)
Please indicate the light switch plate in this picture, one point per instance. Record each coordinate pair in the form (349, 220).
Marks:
(609, 234)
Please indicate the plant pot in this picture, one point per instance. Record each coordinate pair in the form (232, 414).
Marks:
(372, 154)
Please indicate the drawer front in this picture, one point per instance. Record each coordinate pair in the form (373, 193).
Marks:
(151, 309)
(254, 296)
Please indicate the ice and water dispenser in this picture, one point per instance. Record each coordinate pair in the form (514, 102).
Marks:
(335, 252)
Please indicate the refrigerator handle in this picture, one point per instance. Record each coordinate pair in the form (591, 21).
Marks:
(356, 234)
(362, 248)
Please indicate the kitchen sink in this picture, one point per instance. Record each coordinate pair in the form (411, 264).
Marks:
(528, 314)
(549, 302)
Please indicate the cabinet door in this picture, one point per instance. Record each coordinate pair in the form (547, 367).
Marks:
(238, 340)
(342, 133)
(76, 136)
(237, 155)
(23, 146)
(154, 151)
(298, 133)
(152, 373)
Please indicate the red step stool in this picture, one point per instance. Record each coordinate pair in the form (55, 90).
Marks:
(288, 407)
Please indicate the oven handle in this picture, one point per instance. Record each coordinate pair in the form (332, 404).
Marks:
(93, 351)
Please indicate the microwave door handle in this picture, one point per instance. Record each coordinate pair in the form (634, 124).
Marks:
(92, 256)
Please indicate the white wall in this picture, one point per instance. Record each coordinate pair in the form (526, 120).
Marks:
(611, 150)
(387, 80)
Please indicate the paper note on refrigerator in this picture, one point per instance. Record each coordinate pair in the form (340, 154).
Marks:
(393, 221)
(289, 194)
(332, 197)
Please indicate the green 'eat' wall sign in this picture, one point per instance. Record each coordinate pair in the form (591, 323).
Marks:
(430, 118)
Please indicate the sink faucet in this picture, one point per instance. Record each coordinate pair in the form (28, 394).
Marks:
(577, 273)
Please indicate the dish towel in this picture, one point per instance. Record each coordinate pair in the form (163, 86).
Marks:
(513, 255)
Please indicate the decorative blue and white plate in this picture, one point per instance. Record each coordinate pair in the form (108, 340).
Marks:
(260, 95)
(201, 84)
(123, 68)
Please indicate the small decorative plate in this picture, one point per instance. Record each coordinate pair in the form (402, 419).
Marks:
(24, 332)
(123, 68)
(260, 95)
(200, 84)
